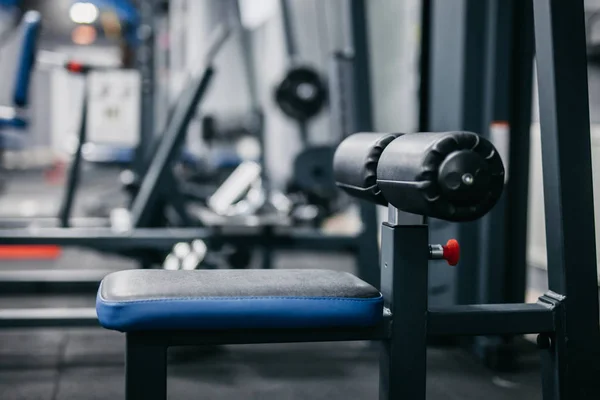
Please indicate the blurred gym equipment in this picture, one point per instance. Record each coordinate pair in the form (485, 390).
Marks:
(158, 224)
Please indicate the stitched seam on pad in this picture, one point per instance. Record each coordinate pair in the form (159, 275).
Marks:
(360, 300)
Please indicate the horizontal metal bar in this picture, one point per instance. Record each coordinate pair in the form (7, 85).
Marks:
(469, 320)
(490, 319)
(102, 237)
(51, 222)
(53, 275)
(47, 317)
(256, 336)
(313, 242)
(165, 238)
(51, 280)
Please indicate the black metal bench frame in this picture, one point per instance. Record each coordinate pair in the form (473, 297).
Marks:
(403, 332)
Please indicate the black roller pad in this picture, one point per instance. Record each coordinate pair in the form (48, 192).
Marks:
(455, 176)
(355, 164)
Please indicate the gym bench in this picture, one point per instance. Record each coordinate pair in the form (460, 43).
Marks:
(455, 176)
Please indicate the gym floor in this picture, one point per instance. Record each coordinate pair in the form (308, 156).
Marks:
(82, 364)
(87, 363)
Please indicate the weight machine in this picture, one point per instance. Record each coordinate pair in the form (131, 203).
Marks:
(454, 176)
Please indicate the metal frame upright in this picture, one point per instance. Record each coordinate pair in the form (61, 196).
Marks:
(145, 63)
(568, 197)
(487, 50)
(368, 248)
(507, 95)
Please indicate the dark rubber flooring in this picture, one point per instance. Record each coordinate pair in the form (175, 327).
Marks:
(87, 364)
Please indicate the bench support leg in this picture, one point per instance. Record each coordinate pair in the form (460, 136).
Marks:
(145, 370)
(404, 287)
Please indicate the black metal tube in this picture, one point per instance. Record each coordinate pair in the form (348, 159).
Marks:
(142, 209)
(490, 319)
(145, 370)
(255, 336)
(568, 190)
(424, 65)
(145, 63)
(288, 30)
(363, 122)
(70, 191)
(403, 357)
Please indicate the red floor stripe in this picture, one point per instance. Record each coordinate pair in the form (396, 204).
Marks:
(29, 252)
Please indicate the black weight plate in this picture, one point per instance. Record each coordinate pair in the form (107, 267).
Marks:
(301, 94)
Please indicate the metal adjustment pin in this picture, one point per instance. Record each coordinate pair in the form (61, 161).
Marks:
(449, 252)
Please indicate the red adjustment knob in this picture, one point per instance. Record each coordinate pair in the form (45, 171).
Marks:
(74, 66)
(452, 252)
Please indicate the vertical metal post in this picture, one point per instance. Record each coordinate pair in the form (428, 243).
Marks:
(145, 203)
(508, 61)
(568, 188)
(341, 94)
(368, 246)
(553, 351)
(161, 64)
(64, 213)
(145, 62)
(145, 370)
(507, 100)
(342, 91)
(359, 20)
(424, 65)
(403, 356)
(472, 120)
(457, 43)
(291, 47)
(495, 109)
(368, 253)
(516, 191)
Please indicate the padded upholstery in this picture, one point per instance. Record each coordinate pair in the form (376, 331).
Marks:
(421, 173)
(235, 299)
(31, 25)
(355, 164)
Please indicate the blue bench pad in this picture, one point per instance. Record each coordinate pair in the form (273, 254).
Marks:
(235, 299)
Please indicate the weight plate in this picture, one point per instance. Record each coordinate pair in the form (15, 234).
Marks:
(301, 94)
